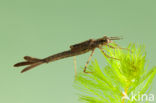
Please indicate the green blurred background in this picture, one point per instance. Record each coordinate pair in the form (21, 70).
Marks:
(40, 28)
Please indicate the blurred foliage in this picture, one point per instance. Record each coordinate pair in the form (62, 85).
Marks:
(118, 77)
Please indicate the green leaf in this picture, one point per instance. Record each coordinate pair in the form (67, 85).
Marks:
(129, 74)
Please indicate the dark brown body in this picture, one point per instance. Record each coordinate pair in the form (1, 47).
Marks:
(75, 50)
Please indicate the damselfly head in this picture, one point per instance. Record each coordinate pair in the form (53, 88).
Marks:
(106, 39)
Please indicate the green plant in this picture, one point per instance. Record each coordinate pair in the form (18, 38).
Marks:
(117, 79)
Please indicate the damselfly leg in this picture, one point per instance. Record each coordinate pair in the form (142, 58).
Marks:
(106, 54)
(75, 66)
(88, 61)
(118, 47)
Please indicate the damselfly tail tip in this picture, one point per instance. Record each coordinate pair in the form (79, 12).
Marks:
(31, 66)
(22, 64)
(18, 64)
(31, 59)
(22, 71)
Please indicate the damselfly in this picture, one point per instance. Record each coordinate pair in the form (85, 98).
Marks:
(77, 49)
